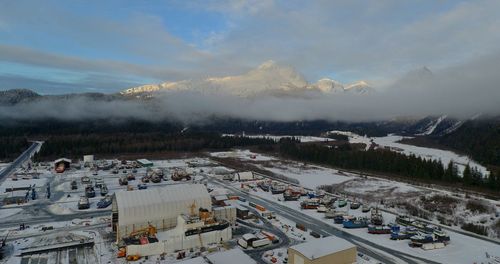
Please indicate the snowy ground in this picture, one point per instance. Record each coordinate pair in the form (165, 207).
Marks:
(4, 213)
(391, 141)
(9, 183)
(302, 139)
(242, 155)
(308, 175)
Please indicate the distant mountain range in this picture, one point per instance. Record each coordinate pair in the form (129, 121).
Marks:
(267, 79)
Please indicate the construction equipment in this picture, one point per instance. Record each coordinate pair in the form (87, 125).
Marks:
(122, 252)
(133, 257)
(147, 231)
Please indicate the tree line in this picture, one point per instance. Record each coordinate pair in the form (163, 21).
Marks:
(77, 145)
(11, 147)
(388, 162)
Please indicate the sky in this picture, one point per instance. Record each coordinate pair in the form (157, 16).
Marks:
(58, 46)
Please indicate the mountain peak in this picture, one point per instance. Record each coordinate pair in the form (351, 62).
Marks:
(269, 64)
(269, 78)
(14, 96)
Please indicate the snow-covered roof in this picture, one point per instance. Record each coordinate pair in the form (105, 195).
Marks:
(160, 203)
(318, 248)
(144, 161)
(245, 175)
(221, 197)
(235, 255)
(62, 159)
(198, 260)
(248, 237)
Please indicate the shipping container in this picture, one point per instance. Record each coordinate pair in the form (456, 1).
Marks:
(261, 242)
(260, 208)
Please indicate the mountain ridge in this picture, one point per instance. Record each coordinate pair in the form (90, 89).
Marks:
(269, 78)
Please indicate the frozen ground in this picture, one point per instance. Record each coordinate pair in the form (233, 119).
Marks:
(4, 213)
(242, 155)
(309, 176)
(303, 139)
(9, 183)
(391, 141)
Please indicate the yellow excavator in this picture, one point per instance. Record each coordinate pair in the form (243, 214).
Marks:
(147, 231)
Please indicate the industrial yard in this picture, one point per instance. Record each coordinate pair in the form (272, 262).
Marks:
(207, 210)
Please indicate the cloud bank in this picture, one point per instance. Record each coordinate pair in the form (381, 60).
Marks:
(460, 91)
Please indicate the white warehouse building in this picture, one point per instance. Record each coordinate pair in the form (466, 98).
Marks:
(159, 207)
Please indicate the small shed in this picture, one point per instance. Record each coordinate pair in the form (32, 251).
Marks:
(242, 212)
(244, 176)
(145, 162)
(219, 200)
(88, 159)
(63, 162)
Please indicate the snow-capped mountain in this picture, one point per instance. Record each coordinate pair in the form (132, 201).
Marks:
(267, 79)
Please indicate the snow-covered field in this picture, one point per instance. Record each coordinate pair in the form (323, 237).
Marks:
(242, 155)
(302, 139)
(309, 176)
(429, 153)
(377, 185)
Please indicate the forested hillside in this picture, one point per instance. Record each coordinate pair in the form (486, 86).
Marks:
(389, 163)
(478, 138)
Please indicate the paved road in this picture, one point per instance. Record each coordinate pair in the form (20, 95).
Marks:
(256, 254)
(364, 246)
(20, 160)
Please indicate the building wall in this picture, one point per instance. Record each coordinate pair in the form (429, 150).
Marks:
(347, 256)
(161, 214)
(175, 243)
(227, 213)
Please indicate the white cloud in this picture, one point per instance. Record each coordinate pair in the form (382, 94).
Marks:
(374, 40)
